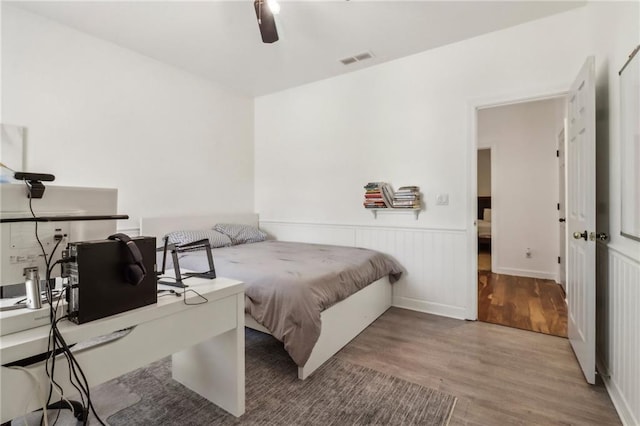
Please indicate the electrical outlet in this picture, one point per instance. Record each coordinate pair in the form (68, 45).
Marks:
(442, 199)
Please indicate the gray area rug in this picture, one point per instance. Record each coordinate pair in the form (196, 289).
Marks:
(339, 393)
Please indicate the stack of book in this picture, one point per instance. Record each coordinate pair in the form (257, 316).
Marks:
(378, 195)
(406, 197)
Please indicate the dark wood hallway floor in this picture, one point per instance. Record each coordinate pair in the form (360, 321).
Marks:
(520, 302)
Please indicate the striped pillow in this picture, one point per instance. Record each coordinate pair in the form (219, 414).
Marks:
(241, 234)
(216, 239)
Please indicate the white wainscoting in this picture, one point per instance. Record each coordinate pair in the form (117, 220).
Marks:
(618, 330)
(435, 259)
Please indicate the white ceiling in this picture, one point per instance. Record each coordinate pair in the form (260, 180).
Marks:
(220, 41)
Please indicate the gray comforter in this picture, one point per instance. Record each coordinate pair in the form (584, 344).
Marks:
(289, 284)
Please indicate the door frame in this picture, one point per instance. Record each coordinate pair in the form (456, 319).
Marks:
(562, 177)
(473, 106)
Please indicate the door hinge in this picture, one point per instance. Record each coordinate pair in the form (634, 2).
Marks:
(558, 153)
(559, 259)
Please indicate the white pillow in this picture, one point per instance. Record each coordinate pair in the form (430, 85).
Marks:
(486, 215)
(216, 239)
(241, 234)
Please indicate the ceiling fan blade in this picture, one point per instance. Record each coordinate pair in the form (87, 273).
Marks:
(266, 22)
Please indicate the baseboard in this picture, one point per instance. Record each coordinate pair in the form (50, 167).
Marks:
(623, 409)
(429, 307)
(526, 273)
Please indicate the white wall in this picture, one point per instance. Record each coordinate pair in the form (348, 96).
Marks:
(614, 32)
(100, 115)
(484, 172)
(405, 122)
(525, 187)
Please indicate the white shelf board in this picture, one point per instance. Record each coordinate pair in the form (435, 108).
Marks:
(415, 212)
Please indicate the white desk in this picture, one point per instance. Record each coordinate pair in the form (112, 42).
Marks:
(207, 343)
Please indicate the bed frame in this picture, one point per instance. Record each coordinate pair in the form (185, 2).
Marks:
(340, 323)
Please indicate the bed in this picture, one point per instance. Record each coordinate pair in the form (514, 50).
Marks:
(484, 223)
(312, 322)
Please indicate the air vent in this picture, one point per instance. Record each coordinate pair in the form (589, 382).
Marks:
(348, 61)
(357, 58)
(363, 56)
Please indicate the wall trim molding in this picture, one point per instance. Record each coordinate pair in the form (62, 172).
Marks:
(553, 276)
(429, 307)
(620, 251)
(360, 226)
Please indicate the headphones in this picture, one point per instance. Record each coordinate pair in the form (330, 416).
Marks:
(134, 271)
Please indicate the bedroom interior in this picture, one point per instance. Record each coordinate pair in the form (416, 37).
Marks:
(161, 100)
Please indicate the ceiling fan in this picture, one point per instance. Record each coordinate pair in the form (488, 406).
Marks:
(265, 9)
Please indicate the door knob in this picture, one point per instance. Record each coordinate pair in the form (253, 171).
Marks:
(562, 220)
(600, 236)
(577, 235)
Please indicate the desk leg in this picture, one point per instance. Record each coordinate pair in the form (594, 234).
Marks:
(215, 368)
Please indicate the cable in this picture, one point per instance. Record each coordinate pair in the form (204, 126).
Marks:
(56, 341)
(44, 253)
(85, 384)
(50, 375)
(55, 293)
(168, 293)
(184, 297)
(57, 262)
(38, 392)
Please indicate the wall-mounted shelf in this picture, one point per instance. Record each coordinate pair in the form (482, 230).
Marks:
(415, 212)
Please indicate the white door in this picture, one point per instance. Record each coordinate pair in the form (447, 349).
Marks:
(562, 208)
(581, 184)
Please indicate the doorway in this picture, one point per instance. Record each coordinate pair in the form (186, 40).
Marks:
(518, 216)
(484, 209)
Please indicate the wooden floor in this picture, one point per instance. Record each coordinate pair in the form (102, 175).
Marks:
(484, 261)
(501, 375)
(526, 303)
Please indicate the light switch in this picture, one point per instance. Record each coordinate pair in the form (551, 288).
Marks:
(442, 199)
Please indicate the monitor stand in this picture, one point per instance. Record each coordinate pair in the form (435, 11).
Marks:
(207, 275)
(211, 273)
(176, 268)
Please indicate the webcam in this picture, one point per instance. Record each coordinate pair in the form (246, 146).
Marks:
(36, 188)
